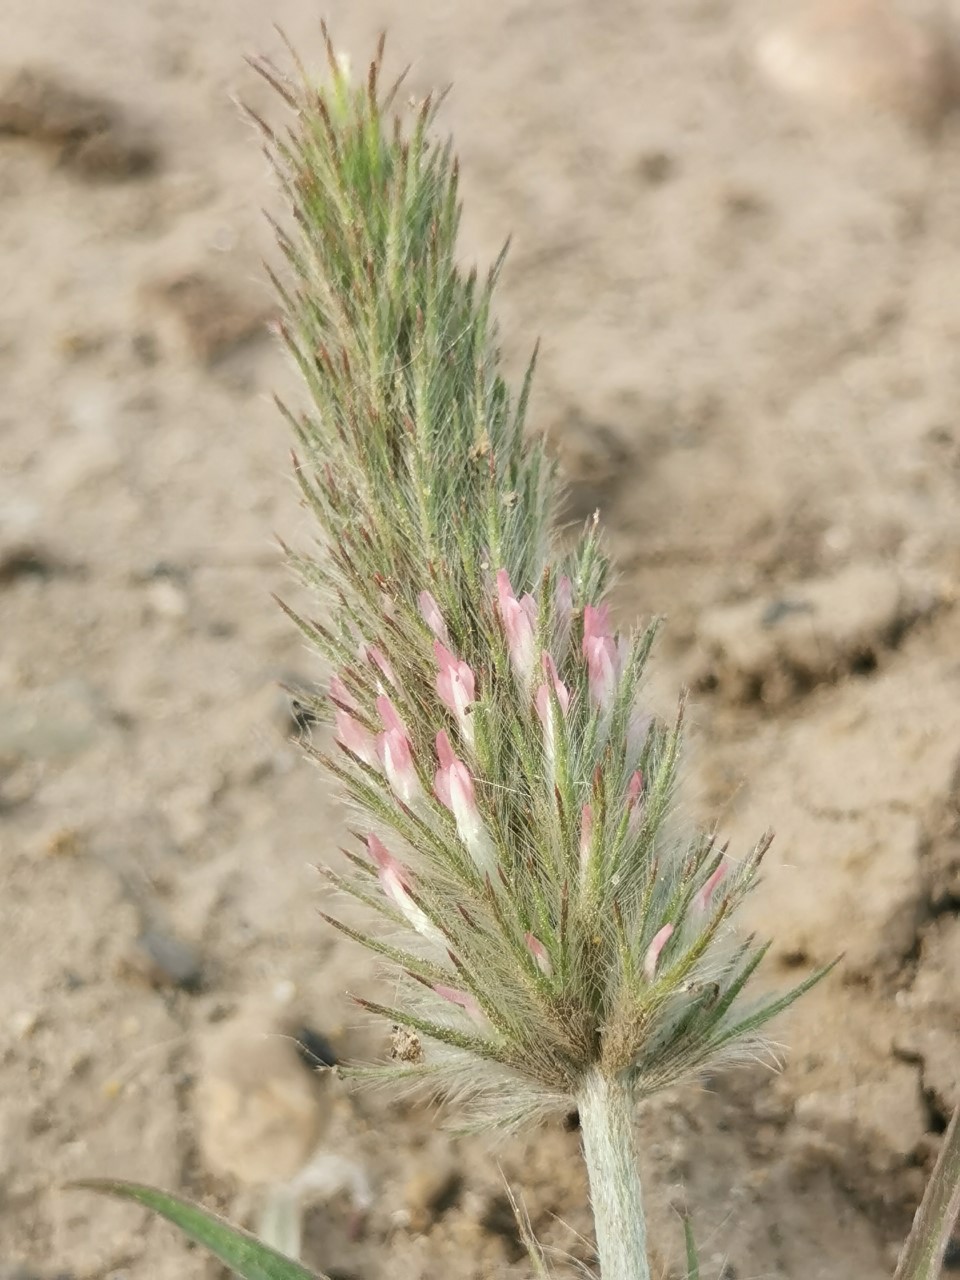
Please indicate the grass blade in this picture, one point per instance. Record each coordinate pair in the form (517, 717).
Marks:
(238, 1249)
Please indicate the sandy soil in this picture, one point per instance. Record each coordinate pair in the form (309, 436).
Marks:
(750, 312)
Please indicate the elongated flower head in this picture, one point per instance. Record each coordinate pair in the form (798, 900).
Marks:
(543, 911)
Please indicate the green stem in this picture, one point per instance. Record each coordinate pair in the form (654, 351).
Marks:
(606, 1123)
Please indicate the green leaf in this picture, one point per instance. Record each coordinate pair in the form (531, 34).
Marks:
(241, 1251)
(922, 1255)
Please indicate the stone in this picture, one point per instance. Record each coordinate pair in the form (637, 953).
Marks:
(162, 959)
(864, 55)
(260, 1113)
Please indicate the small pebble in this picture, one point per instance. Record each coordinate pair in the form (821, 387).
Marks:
(24, 1024)
(861, 54)
(164, 960)
(165, 599)
(284, 993)
(260, 1112)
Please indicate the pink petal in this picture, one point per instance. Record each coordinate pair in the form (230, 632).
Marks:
(604, 657)
(395, 882)
(456, 687)
(595, 624)
(660, 940)
(430, 612)
(461, 998)
(358, 740)
(384, 858)
(445, 753)
(706, 893)
(390, 717)
(342, 695)
(396, 754)
(518, 618)
(380, 660)
(441, 784)
(539, 953)
(561, 690)
(634, 789)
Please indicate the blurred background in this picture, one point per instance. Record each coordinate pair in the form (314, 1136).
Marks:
(736, 228)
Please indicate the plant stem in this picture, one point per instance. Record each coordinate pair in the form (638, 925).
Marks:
(280, 1221)
(922, 1255)
(606, 1122)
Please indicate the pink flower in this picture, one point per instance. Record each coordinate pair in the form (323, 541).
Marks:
(539, 953)
(358, 741)
(702, 900)
(518, 618)
(660, 940)
(341, 695)
(456, 687)
(634, 789)
(396, 754)
(586, 837)
(563, 613)
(430, 612)
(544, 705)
(461, 998)
(602, 656)
(454, 788)
(374, 654)
(395, 883)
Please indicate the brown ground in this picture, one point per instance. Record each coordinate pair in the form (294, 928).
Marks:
(751, 312)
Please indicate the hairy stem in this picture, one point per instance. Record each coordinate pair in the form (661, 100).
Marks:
(606, 1122)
